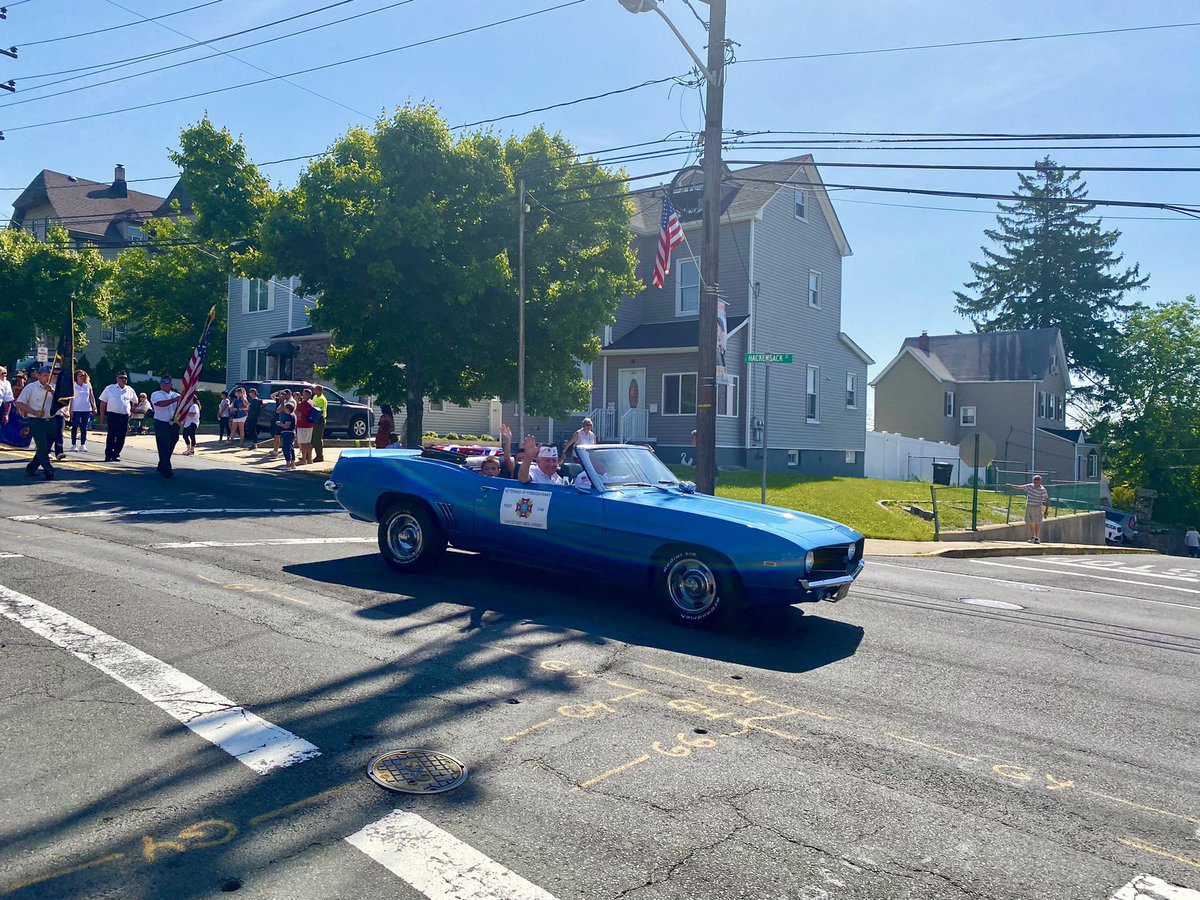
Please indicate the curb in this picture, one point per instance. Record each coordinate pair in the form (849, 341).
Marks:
(1037, 550)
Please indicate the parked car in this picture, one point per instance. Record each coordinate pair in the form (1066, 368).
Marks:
(1120, 527)
(355, 419)
(706, 559)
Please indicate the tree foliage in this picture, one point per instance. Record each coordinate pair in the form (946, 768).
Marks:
(1151, 438)
(38, 280)
(1053, 269)
(409, 237)
(166, 288)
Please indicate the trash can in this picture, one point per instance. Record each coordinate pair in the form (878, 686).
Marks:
(942, 473)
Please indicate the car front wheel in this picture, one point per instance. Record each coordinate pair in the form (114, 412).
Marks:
(358, 427)
(410, 539)
(696, 589)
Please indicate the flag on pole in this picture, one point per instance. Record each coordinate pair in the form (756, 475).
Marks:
(670, 236)
(63, 368)
(191, 375)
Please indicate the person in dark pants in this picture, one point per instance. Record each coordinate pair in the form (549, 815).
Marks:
(116, 402)
(36, 403)
(254, 411)
(166, 430)
(321, 404)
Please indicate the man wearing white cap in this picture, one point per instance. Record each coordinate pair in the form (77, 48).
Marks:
(546, 470)
(166, 430)
(36, 403)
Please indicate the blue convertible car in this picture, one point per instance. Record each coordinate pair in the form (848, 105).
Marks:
(631, 519)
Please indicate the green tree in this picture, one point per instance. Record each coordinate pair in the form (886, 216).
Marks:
(1151, 438)
(408, 237)
(166, 288)
(1054, 269)
(39, 279)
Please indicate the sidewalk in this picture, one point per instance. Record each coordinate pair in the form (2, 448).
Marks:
(210, 449)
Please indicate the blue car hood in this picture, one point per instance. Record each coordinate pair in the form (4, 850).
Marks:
(785, 522)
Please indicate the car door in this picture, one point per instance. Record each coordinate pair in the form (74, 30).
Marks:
(554, 525)
(337, 415)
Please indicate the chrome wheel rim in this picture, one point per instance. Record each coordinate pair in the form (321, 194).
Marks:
(692, 586)
(404, 538)
(359, 428)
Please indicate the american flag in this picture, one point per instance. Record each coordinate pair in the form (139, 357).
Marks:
(670, 236)
(191, 375)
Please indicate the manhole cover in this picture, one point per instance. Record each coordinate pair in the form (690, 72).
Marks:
(417, 771)
(993, 604)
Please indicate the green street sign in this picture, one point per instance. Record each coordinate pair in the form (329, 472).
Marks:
(768, 357)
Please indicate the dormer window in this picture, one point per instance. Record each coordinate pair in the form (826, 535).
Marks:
(1053, 362)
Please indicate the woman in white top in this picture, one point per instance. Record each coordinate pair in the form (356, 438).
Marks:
(191, 421)
(83, 407)
(584, 437)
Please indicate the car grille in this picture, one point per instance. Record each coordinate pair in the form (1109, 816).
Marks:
(830, 562)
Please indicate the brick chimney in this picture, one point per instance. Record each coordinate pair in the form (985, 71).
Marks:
(923, 341)
(120, 188)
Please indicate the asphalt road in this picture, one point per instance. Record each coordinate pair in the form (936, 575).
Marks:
(190, 701)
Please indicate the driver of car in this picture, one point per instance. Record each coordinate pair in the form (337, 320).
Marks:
(546, 471)
(583, 481)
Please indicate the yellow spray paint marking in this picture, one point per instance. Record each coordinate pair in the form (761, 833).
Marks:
(1159, 851)
(901, 737)
(611, 772)
(299, 804)
(251, 589)
(529, 730)
(61, 873)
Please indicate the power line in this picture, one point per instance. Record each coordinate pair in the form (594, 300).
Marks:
(992, 212)
(319, 68)
(981, 135)
(67, 37)
(977, 43)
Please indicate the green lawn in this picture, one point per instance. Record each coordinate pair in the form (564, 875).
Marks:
(870, 506)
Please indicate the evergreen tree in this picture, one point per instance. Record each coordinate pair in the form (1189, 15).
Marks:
(1053, 268)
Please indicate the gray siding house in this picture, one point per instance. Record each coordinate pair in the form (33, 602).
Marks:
(781, 276)
(1010, 385)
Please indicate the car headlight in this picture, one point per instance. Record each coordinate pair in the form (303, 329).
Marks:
(850, 551)
(809, 559)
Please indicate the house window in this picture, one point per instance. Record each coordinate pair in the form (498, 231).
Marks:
(110, 334)
(687, 287)
(851, 391)
(260, 296)
(800, 205)
(1053, 362)
(1093, 464)
(437, 405)
(135, 233)
(814, 289)
(727, 398)
(1041, 404)
(679, 394)
(813, 408)
(966, 416)
(256, 365)
(793, 458)
(851, 457)
(948, 404)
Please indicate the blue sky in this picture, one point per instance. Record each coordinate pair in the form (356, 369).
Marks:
(910, 252)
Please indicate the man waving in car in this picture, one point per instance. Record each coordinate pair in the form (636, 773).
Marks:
(546, 471)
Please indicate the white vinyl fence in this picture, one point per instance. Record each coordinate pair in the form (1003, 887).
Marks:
(894, 457)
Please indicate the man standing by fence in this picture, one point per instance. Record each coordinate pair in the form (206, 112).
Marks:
(1037, 501)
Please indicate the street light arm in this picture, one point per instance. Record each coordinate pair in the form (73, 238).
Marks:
(637, 6)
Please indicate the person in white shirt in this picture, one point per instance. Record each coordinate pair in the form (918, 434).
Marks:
(83, 407)
(191, 421)
(36, 403)
(166, 429)
(116, 402)
(584, 437)
(546, 471)
(6, 395)
(1192, 540)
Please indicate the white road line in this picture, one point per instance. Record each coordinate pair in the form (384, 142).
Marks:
(1163, 587)
(250, 740)
(121, 513)
(438, 864)
(12, 556)
(1115, 567)
(269, 542)
(1147, 887)
(1025, 584)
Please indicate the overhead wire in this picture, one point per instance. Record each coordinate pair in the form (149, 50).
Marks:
(68, 37)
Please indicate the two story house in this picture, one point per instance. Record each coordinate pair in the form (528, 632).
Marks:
(107, 216)
(1010, 385)
(781, 279)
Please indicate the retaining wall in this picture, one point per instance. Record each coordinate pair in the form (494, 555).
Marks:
(1080, 528)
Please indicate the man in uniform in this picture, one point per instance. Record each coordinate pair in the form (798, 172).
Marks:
(6, 395)
(166, 431)
(116, 402)
(36, 403)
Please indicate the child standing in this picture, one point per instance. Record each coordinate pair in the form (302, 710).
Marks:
(223, 413)
(191, 421)
(286, 423)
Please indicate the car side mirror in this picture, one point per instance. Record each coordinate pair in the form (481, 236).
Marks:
(687, 487)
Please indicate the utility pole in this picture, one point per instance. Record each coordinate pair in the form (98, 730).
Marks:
(521, 316)
(706, 357)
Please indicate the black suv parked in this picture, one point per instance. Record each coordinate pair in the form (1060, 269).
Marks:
(355, 419)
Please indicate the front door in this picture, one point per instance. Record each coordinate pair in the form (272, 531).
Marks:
(631, 404)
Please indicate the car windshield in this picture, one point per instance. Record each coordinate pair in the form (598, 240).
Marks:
(622, 467)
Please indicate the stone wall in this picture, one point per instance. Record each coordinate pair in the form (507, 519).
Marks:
(1081, 528)
(310, 355)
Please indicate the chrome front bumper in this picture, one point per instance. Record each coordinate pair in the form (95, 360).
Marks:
(832, 582)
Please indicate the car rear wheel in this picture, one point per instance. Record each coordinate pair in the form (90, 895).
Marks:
(358, 427)
(410, 539)
(696, 589)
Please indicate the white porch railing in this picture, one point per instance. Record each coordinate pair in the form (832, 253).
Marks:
(635, 425)
(604, 423)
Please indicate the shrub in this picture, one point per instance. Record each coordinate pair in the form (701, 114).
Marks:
(469, 437)
(429, 435)
(452, 436)
(486, 437)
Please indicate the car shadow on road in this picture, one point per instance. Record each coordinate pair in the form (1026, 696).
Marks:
(491, 593)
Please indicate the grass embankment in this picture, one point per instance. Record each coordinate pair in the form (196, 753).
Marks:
(873, 507)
